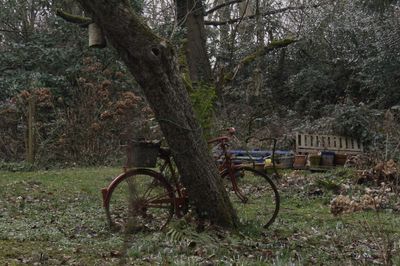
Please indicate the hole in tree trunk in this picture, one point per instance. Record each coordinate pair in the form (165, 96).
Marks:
(155, 51)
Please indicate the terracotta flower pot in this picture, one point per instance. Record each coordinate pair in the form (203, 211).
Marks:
(340, 159)
(300, 161)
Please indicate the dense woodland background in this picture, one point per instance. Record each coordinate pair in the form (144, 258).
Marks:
(340, 75)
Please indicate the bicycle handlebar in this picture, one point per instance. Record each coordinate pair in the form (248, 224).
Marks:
(219, 139)
(231, 132)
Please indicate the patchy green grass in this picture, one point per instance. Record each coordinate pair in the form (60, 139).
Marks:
(55, 217)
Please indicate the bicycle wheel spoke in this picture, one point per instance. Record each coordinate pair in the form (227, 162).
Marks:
(254, 197)
(149, 190)
(157, 197)
(141, 202)
(159, 206)
(131, 189)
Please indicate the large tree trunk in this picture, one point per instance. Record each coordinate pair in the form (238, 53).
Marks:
(153, 63)
(190, 15)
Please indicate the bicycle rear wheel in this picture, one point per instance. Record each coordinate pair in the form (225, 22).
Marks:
(139, 200)
(254, 196)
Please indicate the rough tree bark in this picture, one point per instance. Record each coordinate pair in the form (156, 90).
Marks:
(153, 63)
(190, 14)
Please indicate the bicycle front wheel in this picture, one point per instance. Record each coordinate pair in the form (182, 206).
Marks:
(139, 200)
(253, 195)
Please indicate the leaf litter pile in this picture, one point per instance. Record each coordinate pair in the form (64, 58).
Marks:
(344, 216)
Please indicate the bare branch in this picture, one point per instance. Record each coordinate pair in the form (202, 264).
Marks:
(258, 53)
(221, 6)
(267, 13)
(82, 21)
(10, 31)
(13, 67)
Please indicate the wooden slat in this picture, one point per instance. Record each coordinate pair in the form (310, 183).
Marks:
(316, 142)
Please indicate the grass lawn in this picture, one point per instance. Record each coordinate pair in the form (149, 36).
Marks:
(56, 217)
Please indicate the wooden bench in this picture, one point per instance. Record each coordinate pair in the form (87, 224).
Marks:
(307, 143)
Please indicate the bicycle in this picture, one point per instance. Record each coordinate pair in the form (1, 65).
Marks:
(145, 199)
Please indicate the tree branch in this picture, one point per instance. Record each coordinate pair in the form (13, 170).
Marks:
(10, 31)
(267, 13)
(274, 45)
(221, 6)
(9, 68)
(82, 21)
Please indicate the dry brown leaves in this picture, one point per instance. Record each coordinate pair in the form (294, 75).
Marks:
(373, 199)
(294, 179)
(343, 204)
(44, 97)
(387, 170)
(382, 172)
(359, 161)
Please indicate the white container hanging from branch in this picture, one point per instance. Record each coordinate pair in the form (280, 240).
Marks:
(96, 36)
